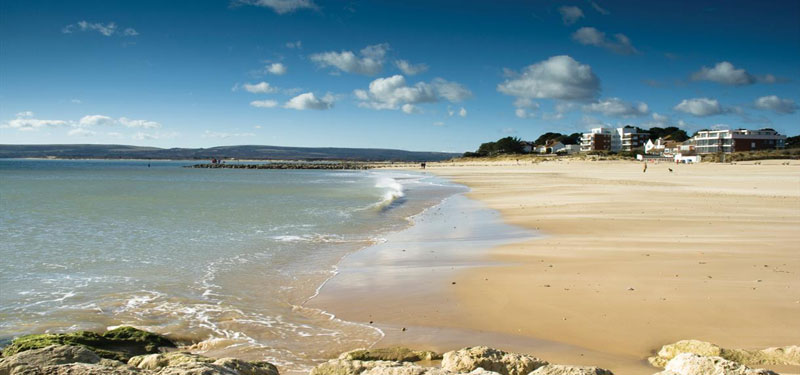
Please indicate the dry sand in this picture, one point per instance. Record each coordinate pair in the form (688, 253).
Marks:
(627, 261)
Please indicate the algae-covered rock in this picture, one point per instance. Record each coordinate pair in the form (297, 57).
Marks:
(76, 369)
(469, 359)
(118, 344)
(570, 370)
(787, 355)
(247, 367)
(400, 354)
(693, 364)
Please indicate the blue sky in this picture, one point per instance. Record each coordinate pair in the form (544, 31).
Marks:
(417, 75)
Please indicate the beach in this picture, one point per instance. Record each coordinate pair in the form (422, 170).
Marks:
(622, 262)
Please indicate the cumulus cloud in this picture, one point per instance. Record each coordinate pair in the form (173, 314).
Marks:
(281, 6)
(95, 120)
(369, 61)
(267, 103)
(81, 132)
(776, 104)
(107, 29)
(395, 93)
(277, 69)
(620, 44)
(26, 121)
(559, 77)
(410, 69)
(143, 124)
(525, 106)
(726, 74)
(462, 112)
(259, 88)
(295, 45)
(452, 91)
(310, 101)
(570, 14)
(700, 107)
(617, 107)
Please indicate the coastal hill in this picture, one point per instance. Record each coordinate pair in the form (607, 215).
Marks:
(254, 152)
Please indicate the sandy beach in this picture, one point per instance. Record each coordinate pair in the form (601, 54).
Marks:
(622, 262)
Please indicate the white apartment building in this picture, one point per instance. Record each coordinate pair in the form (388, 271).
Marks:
(610, 139)
(713, 141)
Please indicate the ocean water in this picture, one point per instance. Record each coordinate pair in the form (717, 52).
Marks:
(223, 258)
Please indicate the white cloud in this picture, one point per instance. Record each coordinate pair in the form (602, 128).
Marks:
(410, 69)
(438, 123)
(81, 132)
(95, 120)
(394, 92)
(107, 29)
(410, 108)
(452, 91)
(143, 124)
(593, 37)
(213, 134)
(700, 107)
(295, 45)
(570, 14)
(776, 104)
(462, 112)
(598, 8)
(725, 73)
(76, 101)
(25, 121)
(277, 69)
(508, 131)
(264, 103)
(559, 77)
(368, 62)
(259, 88)
(617, 107)
(142, 136)
(281, 6)
(310, 101)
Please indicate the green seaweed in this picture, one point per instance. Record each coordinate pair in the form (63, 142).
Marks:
(119, 344)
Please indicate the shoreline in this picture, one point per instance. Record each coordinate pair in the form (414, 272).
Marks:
(536, 314)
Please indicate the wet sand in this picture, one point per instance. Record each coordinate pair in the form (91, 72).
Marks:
(623, 262)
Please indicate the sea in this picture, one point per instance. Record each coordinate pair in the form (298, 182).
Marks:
(223, 259)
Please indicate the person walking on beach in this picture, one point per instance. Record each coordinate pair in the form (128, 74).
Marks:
(645, 167)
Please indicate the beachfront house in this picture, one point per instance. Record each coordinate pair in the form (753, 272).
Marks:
(662, 147)
(727, 141)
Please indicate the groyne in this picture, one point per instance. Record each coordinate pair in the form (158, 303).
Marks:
(286, 165)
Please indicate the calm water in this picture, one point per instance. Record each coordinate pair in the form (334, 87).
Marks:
(226, 258)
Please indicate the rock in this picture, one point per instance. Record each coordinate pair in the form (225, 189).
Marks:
(247, 368)
(79, 360)
(118, 344)
(787, 355)
(157, 361)
(399, 354)
(350, 367)
(77, 369)
(51, 355)
(407, 369)
(469, 359)
(693, 364)
(570, 370)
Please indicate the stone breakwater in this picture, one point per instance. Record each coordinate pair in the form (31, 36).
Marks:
(115, 352)
(285, 165)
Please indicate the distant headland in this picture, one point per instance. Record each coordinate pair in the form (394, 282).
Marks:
(246, 152)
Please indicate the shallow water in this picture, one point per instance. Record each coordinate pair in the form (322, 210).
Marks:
(226, 258)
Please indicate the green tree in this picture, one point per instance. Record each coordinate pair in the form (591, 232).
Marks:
(509, 145)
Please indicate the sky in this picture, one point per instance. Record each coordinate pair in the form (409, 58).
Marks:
(414, 75)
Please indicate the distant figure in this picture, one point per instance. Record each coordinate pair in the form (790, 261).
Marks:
(645, 167)
(422, 165)
(148, 165)
(670, 170)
